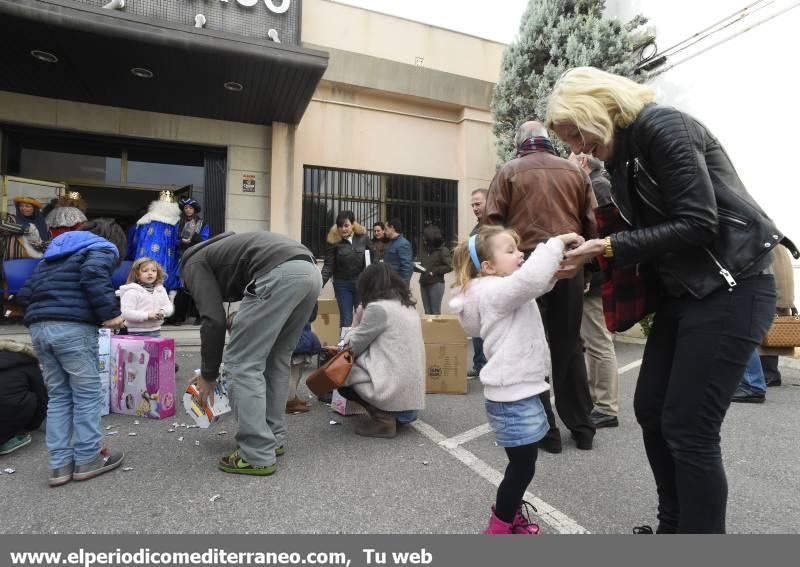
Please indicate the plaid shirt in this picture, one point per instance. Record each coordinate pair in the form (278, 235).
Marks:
(629, 293)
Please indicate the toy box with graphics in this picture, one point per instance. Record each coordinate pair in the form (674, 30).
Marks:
(143, 376)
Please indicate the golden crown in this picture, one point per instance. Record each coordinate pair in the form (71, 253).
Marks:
(166, 196)
(73, 195)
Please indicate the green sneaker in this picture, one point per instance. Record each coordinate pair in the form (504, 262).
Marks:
(235, 464)
(280, 451)
(16, 442)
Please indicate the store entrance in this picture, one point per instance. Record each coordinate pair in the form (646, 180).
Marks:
(126, 205)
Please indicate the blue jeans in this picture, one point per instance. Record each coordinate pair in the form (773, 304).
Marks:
(145, 333)
(68, 354)
(753, 379)
(347, 299)
(478, 358)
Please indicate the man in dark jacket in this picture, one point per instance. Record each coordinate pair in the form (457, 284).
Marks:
(23, 396)
(541, 195)
(597, 339)
(67, 297)
(398, 253)
(478, 204)
(278, 283)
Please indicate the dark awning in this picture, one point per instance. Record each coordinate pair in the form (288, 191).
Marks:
(97, 48)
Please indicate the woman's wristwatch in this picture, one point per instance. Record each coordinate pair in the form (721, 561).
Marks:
(608, 251)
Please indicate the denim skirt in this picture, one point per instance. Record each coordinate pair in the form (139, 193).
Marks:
(517, 423)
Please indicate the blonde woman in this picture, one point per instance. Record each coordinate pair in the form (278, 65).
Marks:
(693, 222)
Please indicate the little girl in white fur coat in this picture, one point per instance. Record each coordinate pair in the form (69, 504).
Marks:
(144, 301)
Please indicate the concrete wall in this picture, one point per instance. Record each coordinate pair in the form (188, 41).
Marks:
(741, 89)
(347, 28)
(373, 131)
(249, 146)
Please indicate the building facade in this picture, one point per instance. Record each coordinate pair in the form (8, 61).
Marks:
(348, 109)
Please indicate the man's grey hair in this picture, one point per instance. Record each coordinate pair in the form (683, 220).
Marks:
(484, 191)
(530, 129)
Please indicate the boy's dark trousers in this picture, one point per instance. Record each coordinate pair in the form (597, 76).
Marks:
(562, 313)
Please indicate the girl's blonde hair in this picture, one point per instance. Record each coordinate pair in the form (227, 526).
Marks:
(596, 102)
(137, 266)
(463, 266)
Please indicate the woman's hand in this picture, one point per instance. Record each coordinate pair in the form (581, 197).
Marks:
(571, 240)
(575, 259)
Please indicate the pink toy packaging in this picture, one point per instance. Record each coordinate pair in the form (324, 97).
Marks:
(143, 376)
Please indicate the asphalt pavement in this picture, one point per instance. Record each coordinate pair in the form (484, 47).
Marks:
(436, 477)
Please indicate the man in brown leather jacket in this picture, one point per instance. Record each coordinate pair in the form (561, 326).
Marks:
(541, 195)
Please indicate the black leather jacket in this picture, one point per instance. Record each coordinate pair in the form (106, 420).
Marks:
(693, 219)
(344, 261)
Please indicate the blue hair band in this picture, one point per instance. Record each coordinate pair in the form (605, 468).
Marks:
(473, 253)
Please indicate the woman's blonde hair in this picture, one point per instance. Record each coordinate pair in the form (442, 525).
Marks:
(137, 266)
(463, 266)
(596, 102)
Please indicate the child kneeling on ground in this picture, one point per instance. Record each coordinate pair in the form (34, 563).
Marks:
(497, 302)
(23, 396)
(68, 296)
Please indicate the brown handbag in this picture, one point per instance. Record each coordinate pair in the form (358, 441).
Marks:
(332, 374)
(784, 333)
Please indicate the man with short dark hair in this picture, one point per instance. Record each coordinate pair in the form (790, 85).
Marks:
(541, 195)
(397, 252)
(278, 282)
(478, 204)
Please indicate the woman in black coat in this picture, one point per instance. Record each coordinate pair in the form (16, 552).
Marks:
(692, 224)
(23, 395)
(345, 259)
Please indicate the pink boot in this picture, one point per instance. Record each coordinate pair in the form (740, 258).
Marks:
(498, 526)
(521, 523)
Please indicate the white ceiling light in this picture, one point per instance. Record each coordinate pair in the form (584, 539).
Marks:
(199, 21)
(273, 35)
(233, 86)
(142, 73)
(45, 56)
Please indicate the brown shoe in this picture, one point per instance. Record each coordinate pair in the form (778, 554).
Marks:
(296, 405)
(379, 424)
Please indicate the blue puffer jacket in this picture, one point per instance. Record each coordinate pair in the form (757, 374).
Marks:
(73, 281)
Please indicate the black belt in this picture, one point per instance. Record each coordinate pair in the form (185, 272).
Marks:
(305, 257)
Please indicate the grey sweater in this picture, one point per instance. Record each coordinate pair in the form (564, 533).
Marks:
(219, 270)
(389, 370)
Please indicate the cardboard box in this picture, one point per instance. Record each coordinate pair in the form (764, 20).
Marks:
(445, 355)
(104, 341)
(343, 406)
(205, 415)
(104, 365)
(326, 326)
(143, 376)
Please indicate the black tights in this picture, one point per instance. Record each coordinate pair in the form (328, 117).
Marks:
(519, 474)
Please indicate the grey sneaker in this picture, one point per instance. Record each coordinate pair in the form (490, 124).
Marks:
(61, 475)
(106, 461)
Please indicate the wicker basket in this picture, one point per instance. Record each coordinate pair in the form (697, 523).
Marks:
(785, 332)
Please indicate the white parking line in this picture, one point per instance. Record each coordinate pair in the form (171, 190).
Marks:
(630, 366)
(557, 520)
(466, 437)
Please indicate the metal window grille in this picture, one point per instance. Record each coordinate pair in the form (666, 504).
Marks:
(415, 201)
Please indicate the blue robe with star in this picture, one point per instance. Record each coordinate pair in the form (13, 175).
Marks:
(159, 240)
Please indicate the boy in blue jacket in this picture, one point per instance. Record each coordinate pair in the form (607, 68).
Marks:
(68, 296)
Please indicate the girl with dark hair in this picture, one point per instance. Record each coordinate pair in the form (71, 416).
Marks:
(344, 261)
(388, 376)
(191, 230)
(436, 260)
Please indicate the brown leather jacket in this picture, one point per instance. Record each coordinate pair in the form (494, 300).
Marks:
(540, 196)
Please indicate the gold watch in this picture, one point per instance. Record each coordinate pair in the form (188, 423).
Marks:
(608, 251)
